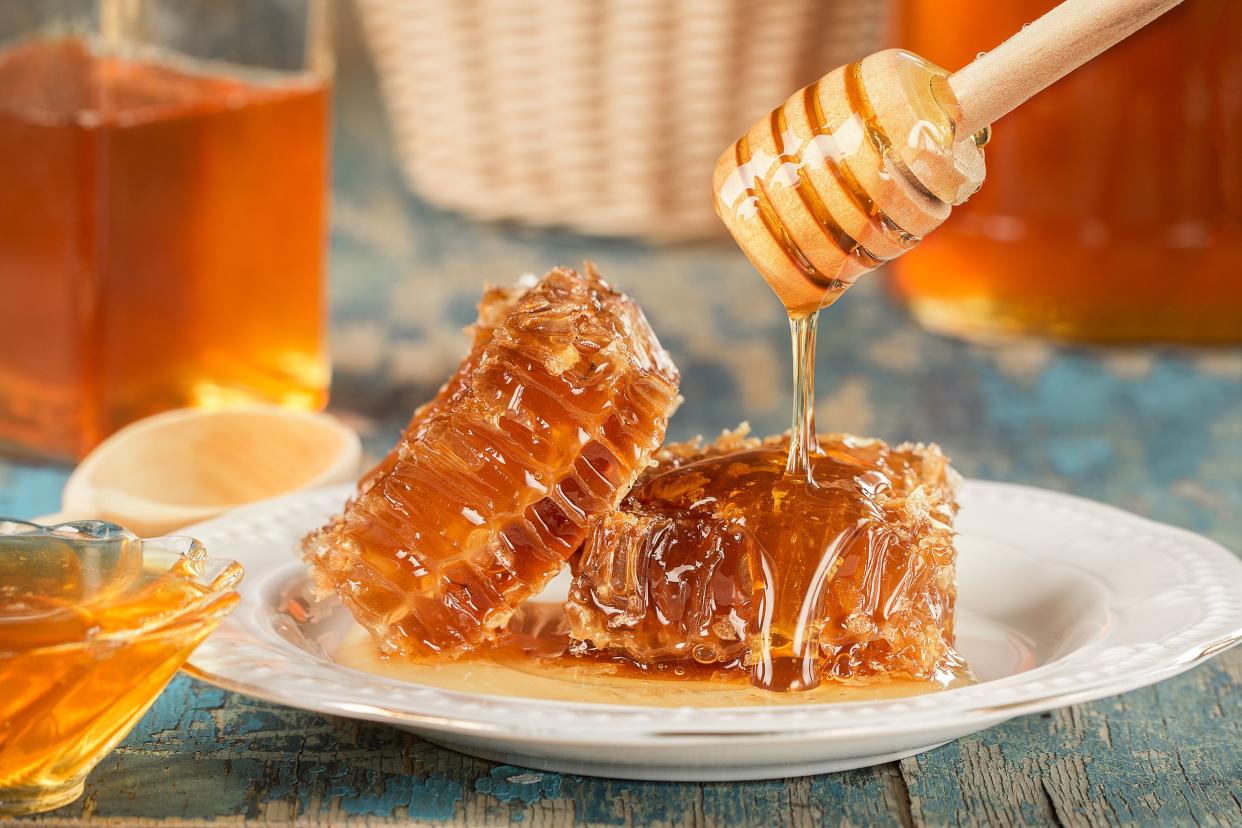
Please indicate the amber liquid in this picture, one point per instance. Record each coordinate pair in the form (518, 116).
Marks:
(75, 678)
(1112, 209)
(533, 662)
(161, 242)
(796, 561)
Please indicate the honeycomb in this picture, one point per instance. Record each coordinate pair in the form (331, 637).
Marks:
(720, 558)
(546, 424)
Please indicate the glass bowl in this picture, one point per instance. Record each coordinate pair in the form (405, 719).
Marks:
(94, 622)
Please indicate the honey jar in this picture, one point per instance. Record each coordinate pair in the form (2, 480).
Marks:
(162, 213)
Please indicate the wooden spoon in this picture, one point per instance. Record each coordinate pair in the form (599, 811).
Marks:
(188, 465)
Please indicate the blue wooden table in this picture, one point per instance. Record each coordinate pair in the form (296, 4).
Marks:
(1156, 431)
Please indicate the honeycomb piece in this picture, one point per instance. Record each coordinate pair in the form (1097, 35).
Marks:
(720, 558)
(547, 423)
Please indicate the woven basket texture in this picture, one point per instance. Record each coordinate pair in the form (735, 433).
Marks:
(605, 116)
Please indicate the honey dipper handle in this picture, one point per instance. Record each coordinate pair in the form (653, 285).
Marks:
(1043, 52)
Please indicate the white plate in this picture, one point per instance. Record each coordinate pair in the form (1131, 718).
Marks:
(1061, 600)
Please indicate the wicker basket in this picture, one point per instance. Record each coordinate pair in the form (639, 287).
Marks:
(605, 116)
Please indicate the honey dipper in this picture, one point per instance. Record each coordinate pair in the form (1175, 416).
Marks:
(856, 168)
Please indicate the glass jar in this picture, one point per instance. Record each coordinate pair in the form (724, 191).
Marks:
(1112, 209)
(162, 214)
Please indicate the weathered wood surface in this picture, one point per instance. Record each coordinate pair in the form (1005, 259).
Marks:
(1157, 431)
(1167, 755)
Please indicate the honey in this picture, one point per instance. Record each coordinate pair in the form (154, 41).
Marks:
(532, 661)
(791, 562)
(90, 633)
(161, 240)
(1113, 210)
(842, 569)
(494, 484)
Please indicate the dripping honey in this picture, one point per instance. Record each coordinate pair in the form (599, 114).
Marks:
(161, 241)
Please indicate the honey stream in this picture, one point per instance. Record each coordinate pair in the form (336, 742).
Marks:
(792, 571)
(802, 442)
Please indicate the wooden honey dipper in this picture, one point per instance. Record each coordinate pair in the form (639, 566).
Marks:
(856, 168)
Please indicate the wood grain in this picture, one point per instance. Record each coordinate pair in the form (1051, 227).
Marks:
(1043, 52)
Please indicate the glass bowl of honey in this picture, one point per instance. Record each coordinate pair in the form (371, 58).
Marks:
(94, 622)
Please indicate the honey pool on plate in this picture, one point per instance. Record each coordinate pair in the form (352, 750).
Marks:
(534, 664)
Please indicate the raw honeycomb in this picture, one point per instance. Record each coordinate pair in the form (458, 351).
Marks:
(721, 558)
(559, 406)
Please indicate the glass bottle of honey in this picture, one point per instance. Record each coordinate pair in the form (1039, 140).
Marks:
(162, 212)
(1113, 205)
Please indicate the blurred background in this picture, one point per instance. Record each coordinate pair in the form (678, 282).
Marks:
(167, 236)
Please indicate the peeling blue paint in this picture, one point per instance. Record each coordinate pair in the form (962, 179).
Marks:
(432, 798)
(252, 724)
(508, 784)
(296, 783)
(184, 708)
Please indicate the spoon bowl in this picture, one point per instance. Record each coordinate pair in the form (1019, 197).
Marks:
(188, 465)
